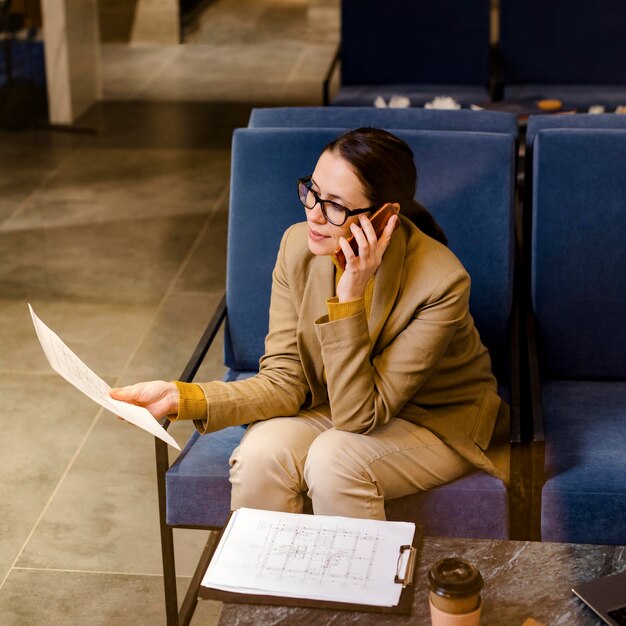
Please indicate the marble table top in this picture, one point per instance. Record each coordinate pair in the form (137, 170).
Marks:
(522, 580)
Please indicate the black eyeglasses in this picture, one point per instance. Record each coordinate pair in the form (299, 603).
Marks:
(334, 212)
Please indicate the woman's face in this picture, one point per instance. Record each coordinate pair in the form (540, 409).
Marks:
(333, 179)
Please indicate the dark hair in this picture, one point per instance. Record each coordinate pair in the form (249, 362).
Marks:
(384, 165)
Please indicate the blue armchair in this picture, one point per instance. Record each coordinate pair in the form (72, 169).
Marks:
(467, 180)
(417, 49)
(572, 50)
(577, 335)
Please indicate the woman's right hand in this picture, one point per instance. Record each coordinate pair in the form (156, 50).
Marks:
(159, 397)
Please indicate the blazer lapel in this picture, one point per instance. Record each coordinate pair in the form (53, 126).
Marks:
(320, 285)
(387, 284)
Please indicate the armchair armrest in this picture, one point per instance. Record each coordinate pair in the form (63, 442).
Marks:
(519, 509)
(174, 617)
(534, 379)
(329, 75)
(219, 315)
(188, 374)
(516, 425)
(537, 442)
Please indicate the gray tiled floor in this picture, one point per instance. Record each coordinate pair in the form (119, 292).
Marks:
(117, 239)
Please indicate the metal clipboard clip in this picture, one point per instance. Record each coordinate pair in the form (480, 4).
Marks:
(410, 566)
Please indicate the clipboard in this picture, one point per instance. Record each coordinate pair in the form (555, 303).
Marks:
(407, 580)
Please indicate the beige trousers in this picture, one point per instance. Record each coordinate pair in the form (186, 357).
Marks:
(280, 459)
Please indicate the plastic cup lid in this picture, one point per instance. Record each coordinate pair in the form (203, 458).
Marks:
(454, 578)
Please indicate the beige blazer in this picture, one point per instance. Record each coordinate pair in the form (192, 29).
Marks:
(418, 357)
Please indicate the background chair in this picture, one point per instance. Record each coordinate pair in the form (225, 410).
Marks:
(577, 335)
(417, 49)
(572, 50)
(22, 72)
(409, 119)
(467, 181)
(544, 122)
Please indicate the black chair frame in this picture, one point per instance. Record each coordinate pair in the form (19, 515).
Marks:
(182, 617)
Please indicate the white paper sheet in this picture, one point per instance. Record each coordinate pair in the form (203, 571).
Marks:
(69, 366)
(310, 556)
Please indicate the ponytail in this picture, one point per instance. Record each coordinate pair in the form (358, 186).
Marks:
(420, 216)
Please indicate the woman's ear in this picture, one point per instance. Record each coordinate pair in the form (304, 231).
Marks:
(394, 205)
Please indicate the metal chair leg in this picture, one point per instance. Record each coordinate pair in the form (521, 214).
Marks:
(167, 538)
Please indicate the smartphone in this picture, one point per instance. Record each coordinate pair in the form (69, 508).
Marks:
(379, 221)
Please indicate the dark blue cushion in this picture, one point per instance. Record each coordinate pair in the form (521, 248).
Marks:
(409, 119)
(465, 179)
(198, 492)
(475, 505)
(364, 95)
(584, 498)
(197, 485)
(578, 252)
(263, 203)
(563, 41)
(400, 42)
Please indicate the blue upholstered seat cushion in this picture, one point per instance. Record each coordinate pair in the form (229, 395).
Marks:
(347, 117)
(418, 95)
(197, 486)
(475, 505)
(584, 497)
(580, 97)
(198, 492)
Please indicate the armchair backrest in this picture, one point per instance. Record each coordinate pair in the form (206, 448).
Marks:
(266, 164)
(582, 121)
(537, 123)
(386, 42)
(465, 178)
(410, 119)
(578, 255)
(563, 41)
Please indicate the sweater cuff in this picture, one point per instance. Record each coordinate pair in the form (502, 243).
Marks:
(192, 403)
(339, 310)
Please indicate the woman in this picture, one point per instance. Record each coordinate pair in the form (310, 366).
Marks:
(374, 383)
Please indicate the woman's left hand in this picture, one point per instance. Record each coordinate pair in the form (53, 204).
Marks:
(359, 269)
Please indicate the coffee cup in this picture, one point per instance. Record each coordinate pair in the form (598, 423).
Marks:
(455, 587)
